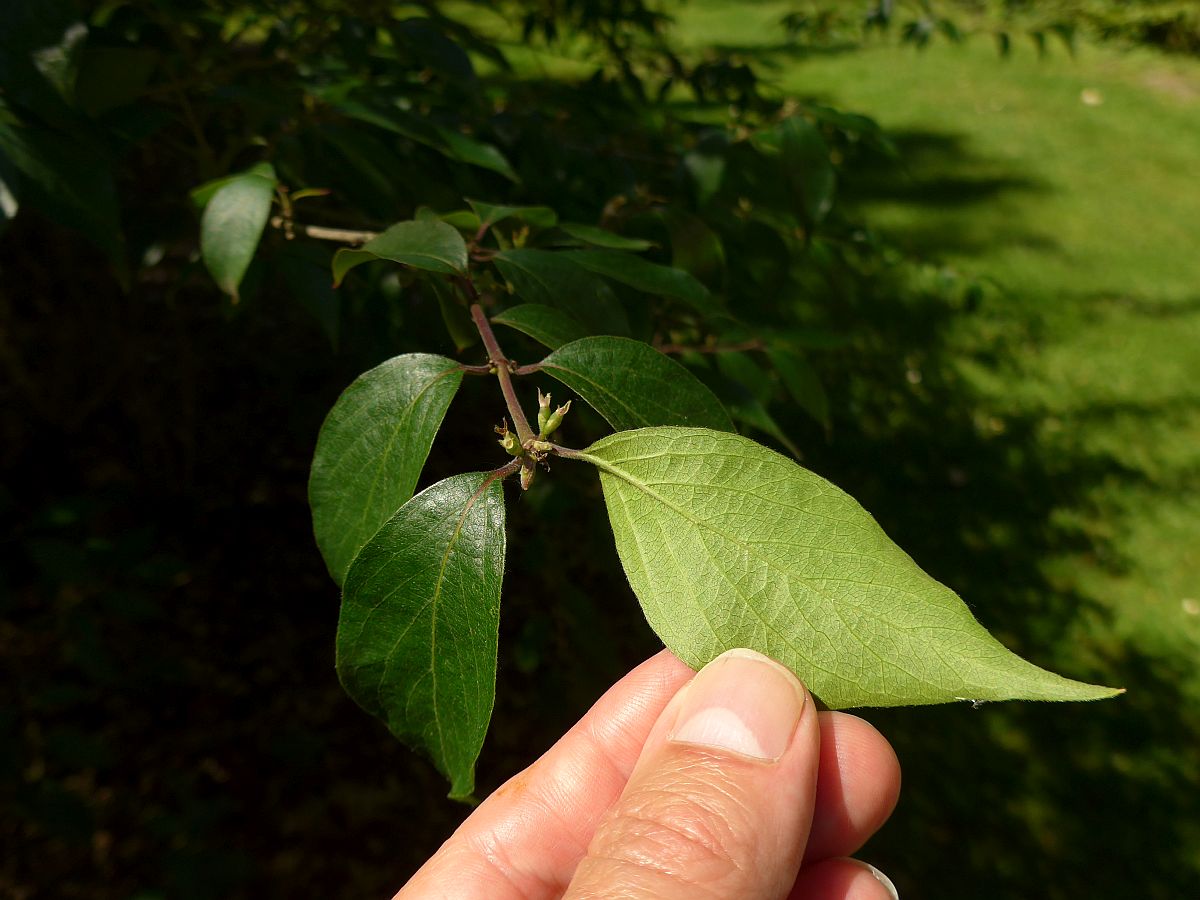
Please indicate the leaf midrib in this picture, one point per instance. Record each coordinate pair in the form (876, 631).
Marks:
(433, 620)
(604, 465)
(402, 420)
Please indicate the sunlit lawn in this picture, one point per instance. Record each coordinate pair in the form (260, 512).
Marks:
(1070, 185)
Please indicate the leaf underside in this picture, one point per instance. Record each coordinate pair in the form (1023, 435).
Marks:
(233, 223)
(418, 631)
(633, 385)
(372, 448)
(728, 544)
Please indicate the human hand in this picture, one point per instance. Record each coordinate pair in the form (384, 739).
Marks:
(726, 784)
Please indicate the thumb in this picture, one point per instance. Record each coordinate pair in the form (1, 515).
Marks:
(720, 802)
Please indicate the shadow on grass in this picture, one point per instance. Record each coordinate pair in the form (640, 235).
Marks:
(1044, 800)
(940, 177)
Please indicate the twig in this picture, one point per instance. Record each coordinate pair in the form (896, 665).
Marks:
(504, 471)
(503, 368)
(322, 233)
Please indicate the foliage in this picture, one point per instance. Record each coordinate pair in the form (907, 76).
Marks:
(1172, 25)
(758, 189)
(332, 104)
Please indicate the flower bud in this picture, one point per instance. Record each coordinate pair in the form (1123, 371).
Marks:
(543, 411)
(527, 472)
(554, 419)
(509, 442)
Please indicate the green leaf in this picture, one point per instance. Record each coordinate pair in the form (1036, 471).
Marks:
(417, 635)
(371, 450)
(695, 248)
(428, 244)
(707, 171)
(729, 544)
(643, 275)
(9, 190)
(463, 219)
(553, 279)
(455, 317)
(746, 395)
(545, 324)
(802, 382)
(477, 153)
(633, 385)
(490, 214)
(807, 166)
(233, 223)
(66, 178)
(602, 237)
(306, 271)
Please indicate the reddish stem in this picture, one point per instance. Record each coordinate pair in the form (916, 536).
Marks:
(504, 368)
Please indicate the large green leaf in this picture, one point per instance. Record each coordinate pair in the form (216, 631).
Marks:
(728, 544)
(233, 223)
(428, 244)
(553, 279)
(372, 448)
(643, 275)
(417, 635)
(633, 385)
(545, 324)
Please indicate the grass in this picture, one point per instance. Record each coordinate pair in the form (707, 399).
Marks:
(1069, 184)
(1095, 247)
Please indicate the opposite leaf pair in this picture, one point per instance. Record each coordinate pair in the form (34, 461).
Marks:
(725, 543)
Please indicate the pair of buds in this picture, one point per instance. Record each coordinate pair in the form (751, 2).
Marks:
(535, 450)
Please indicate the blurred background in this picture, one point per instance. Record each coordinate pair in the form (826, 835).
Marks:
(991, 264)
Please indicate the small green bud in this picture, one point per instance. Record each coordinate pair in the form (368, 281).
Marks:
(554, 419)
(509, 441)
(527, 472)
(543, 411)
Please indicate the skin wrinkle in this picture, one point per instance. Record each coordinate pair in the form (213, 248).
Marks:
(584, 772)
(576, 782)
(635, 891)
(715, 813)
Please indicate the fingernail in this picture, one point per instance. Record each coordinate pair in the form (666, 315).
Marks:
(880, 877)
(742, 702)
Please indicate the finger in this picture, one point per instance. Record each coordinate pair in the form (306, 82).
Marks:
(526, 839)
(842, 879)
(857, 786)
(721, 801)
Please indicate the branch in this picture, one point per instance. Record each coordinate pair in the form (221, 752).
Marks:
(503, 367)
(321, 233)
(504, 471)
